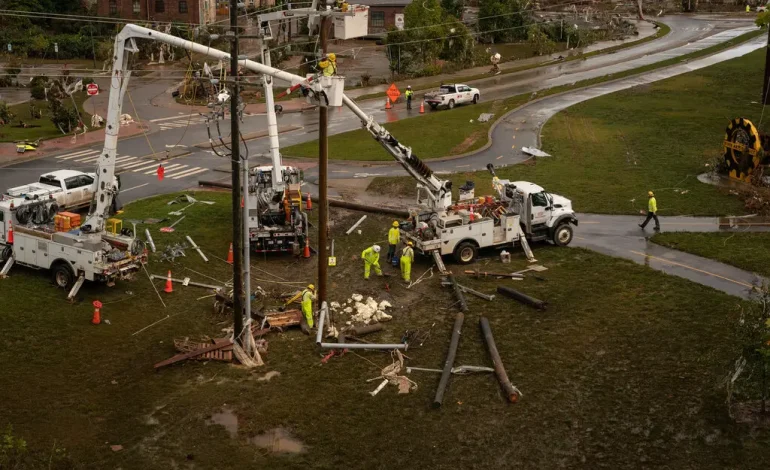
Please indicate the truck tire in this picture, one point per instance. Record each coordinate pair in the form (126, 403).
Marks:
(451, 104)
(563, 235)
(475, 99)
(465, 253)
(6, 251)
(62, 275)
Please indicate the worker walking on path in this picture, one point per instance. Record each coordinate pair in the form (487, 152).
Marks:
(308, 296)
(394, 236)
(409, 94)
(407, 257)
(652, 212)
(371, 257)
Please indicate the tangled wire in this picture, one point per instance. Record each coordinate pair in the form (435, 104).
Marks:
(39, 212)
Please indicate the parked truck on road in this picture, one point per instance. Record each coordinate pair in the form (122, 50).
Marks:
(69, 188)
(451, 95)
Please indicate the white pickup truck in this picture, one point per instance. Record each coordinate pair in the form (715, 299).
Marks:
(452, 95)
(71, 189)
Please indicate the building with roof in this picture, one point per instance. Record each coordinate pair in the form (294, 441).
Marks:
(183, 11)
(382, 14)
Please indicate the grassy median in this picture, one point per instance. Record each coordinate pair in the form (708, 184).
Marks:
(609, 151)
(749, 251)
(41, 128)
(623, 370)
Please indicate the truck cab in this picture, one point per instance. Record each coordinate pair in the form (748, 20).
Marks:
(544, 216)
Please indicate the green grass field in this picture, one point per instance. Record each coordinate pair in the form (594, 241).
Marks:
(41, 128)
(609, 151)
(455, 132)
(617, 373)
(749, 251)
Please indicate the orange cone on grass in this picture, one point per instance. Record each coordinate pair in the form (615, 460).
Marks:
(309, 202)
(306, 254)
(169, 285)
(97, 313)
(422, 107)
(230, 254)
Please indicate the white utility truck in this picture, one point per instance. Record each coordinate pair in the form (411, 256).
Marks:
(69, 188)
(452, 95)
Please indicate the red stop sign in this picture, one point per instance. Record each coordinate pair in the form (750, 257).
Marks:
(92, 89)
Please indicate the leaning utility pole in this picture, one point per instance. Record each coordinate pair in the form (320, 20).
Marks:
(765, 91)
(323, 168)
(235, 165)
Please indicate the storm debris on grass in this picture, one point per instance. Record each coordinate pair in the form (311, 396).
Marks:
(368, 311)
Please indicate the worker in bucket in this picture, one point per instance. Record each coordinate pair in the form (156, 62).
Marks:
(409, 94)
(407, 257)
(308, 296)
(652, 212)
(394, 236)
(328, 65)
(371, 257)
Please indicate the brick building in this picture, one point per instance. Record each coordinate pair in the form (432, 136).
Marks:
(183, 11)
(382, 13)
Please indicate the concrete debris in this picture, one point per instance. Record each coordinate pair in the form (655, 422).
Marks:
(484, 117)
(384, 304)
(364, 311)
(348, 310)
(534, 152)
(357, 297)
(334, 305)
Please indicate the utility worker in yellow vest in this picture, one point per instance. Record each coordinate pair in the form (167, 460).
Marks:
(748, 9)
(409, 94)
(371, 257)
(652, 211)
(407, 257)
(329, 65)
(308, 296)
(394, 236)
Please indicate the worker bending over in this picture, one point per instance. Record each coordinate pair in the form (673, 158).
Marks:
(308, 296)
(371, 257)
(394, 236)
(407, 257)
(652, 212)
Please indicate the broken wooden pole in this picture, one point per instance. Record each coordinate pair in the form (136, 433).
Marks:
(521, 297)
(450, 360)
(480, 274)
(510, 391)
(364, 330)
(463, 304)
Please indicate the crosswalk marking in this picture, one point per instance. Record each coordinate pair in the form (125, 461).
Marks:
(183, 122)
(144, 167)
(124, 158)
(190, 172)
(173, 167)
(90, 158)
(81, 153)
(136, 164)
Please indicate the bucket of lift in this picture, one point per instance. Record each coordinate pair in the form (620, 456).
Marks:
(331, 90)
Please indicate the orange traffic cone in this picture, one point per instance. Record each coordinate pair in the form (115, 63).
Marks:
(10, 232)
(422, 107)
(97, 313)
(169, 285)
(387, 103)
(473, 215)
(242, 202)
(230, 254)
(306, 254)
(309, 202)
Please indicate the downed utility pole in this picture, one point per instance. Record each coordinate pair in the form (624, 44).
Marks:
(511, 392)
(480, 274)
(450, 360)
(522, 297)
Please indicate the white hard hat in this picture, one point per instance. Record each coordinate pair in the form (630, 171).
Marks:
(376, 248)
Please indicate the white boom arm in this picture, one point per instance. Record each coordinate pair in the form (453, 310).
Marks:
(439, 191)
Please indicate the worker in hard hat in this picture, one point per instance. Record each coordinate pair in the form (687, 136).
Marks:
(371, 257)
(409, 94)
(407, 257)
(394, 236)
(652, 211)
(329, 65)
(308, 296)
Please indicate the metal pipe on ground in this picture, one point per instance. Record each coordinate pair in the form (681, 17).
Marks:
(463, 304)
(450, 360)
(332, 202)
(321, 318)
(510, 391)
(522, 297)
(362, 346)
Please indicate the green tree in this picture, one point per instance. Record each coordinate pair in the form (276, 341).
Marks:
(540, 41)
(504, 20)
(5, 113)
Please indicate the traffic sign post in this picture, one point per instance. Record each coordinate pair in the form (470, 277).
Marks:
(92, 89)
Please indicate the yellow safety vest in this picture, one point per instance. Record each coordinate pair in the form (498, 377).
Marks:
(408, 253)
(652, 205)
(370, 256)
(408, 93)
(330, 69)
(394, 235)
